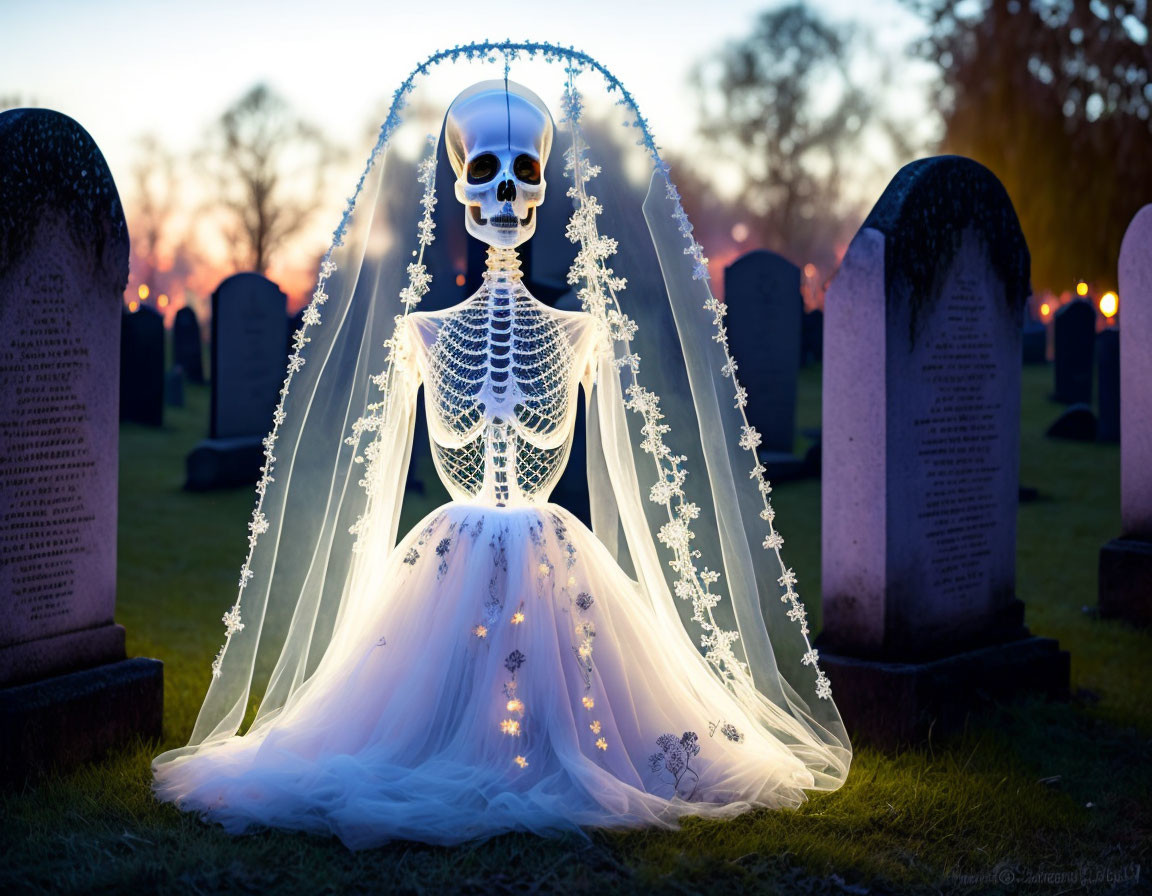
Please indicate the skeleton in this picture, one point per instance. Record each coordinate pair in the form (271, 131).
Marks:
(501, 370)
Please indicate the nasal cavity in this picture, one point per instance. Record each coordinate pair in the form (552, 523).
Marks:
(506, 191)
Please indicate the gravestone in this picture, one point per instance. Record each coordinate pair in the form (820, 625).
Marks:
(174, 387)
(67, 692)
(1074, 337)
(1034, 340)
(1108, 385)
(187, 351)
(921, 416)
(1126, 562)
(812, 337)
(765, 308)
(142, 366)
(249, 332)
(1076, 423)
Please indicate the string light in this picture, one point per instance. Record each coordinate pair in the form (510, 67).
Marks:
(510, 726)
(1081, 288)
(1109, 304)
(143, 291)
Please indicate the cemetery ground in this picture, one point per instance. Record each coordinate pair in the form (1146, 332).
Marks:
(1026, 789)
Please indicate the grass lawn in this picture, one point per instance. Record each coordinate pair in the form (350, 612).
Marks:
(1027, 789)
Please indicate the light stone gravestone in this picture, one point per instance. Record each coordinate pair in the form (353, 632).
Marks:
(187, 351)
(765, 311)
(1074, 337)
(142, 366)
(1126, 562)
(67, 692)
(249, 333)
(921, 419)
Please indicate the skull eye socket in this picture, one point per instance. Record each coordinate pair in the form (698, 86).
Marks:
(483, 168)
(526, 169)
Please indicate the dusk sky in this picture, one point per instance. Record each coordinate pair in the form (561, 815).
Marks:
(132, 68)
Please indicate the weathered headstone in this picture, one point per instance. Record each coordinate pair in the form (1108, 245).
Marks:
(1074, 337)
(249, 332)
(1108, 385)
(66, 690)
(1126, 562)
(142, 366)
(921, 415)
(765, 307)
(186, 346)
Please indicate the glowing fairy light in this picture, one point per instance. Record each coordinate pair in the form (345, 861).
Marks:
(510, 727)
(133, 306)
(515, 705)
(1045, 309)
(521, 761)
(162, 300)
(143, 291)
(595, 726)
(544, 568)
(460, 279)
(480, 631)
(601, 743)
(1081, 288)
(588, 702)
(517, 618)
(1109, 304)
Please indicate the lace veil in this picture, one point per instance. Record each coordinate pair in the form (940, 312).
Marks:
(675, 488)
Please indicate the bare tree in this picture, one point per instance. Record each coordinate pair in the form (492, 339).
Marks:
(270, 167)
(153, 199)
(787, 110)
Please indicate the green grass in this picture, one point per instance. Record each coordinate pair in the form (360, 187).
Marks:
(1031, 787)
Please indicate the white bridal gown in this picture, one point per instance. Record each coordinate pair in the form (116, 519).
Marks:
(509, 678)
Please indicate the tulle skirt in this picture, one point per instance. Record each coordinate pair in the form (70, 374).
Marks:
(510, 679)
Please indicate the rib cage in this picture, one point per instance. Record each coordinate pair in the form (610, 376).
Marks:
(500, 378)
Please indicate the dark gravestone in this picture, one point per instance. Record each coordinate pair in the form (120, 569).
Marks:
(765, 307)
(1077, 423)
(1108, 384)
(1074, 336)
(1034, 342)
(249, 332)
(187, 351)
(920, 459)
(1126, 562)
(63, 268)
(174, 387)
(142, 366)
(812, 338)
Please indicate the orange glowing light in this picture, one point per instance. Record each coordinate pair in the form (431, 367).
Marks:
(515, 705)
(459, 279)
(510, 726)
(1109, 304)
(740, 232)
(809, 270)
(521, 761)
(162, 300)
(1081, 288)
(1045, 310)
(133, 305)
(143, 291)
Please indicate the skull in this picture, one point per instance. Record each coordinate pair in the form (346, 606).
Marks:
(498, 135)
